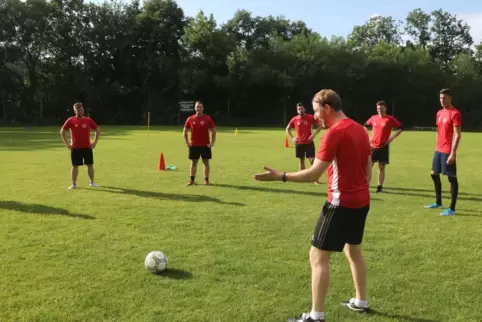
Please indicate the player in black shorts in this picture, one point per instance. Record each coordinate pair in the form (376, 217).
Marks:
(345, 152)
(304, 145)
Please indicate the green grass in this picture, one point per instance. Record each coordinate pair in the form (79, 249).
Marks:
(238, 250)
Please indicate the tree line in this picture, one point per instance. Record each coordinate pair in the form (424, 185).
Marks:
(123, 60)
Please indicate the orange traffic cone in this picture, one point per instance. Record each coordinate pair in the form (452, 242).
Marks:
(287, 145)
(162, 164)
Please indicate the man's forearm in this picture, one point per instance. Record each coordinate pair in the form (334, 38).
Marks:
(288, 131)
(96, 136)
(64, 138)
(455, 144)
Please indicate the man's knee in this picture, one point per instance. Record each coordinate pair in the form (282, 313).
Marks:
(433, 173)
(319, 257)
(453, 180)
(206, 162)
(353, 252)
(381, 167)
(194, 162)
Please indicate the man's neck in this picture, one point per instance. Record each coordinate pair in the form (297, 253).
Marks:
(199, 114)
(448, 107)
(337, 117)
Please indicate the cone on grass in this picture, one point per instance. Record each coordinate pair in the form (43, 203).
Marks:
(236, 132)
(287, 145)
(162, 164)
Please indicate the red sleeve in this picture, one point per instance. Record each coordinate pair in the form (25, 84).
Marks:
(369, 122)
(187, 125)
(67, 124)
(93, 124)
(211, 123)
(457, 119)
(329, 146)
(291, 124)
(314, 120)
(395, 122)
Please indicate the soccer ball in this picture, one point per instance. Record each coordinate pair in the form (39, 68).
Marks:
(155, 262)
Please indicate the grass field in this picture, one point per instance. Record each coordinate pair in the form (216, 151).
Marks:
(238, 249)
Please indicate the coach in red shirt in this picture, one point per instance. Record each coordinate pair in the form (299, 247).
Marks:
(345, 152)
(382, 125)
(303, 125)
(449, 132)
(200, 146)
(80, 147)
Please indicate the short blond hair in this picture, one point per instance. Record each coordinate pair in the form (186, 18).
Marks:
(78, 105)
(328, 97)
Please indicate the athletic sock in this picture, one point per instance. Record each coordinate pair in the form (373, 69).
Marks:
(379, 188)
(438, 188)
(317, 315)
(454, 192)
(361, 303)
(206, 178)
(192, 178)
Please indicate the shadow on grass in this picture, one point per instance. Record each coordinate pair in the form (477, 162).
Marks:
(426, 195)
(163, 195)
(274, 190)
(37, 209)
(461, 193)
(400, 317)
(175, 274)
(23, 139)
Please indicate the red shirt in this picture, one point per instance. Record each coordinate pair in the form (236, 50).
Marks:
(303, 125)
(347, 146)
(381, 129)
(199, 126)
(80, 130)
(446, 120)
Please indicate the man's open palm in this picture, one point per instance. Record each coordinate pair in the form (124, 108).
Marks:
(270, 175)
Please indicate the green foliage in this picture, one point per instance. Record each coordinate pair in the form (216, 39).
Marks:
(126, 59)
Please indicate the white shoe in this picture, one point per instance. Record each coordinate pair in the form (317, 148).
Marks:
(72, 187)
(93, 184)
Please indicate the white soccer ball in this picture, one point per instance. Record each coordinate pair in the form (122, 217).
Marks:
(156, 262)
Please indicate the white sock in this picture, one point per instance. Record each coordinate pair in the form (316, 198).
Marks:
(361, 303)
(317, 315)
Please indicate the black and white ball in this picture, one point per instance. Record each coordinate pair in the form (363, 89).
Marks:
(156, 262)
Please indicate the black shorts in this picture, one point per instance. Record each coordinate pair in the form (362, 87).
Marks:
(196, 152)
(82, 156)
(338, 226)
(305, 150)
(381, 155)
(439, 164)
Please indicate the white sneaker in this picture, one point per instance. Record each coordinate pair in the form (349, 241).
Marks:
(72, 187)
(93, 184)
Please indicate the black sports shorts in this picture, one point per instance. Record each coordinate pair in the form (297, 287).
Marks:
(196, 152)
(381, 155)
(82, 156)
(338, 226)
(305, 150)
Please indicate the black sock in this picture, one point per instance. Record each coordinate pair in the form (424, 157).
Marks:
(206, 178)
(454, 192)
(379, 187)
(192, 178)
(438, 188)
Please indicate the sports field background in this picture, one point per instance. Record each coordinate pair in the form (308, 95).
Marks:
(238, 249)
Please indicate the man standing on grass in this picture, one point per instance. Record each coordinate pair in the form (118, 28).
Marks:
(303, 124)
(382, 125)
(80, 147)
(449, 132)
(345, 152)
(200, 145)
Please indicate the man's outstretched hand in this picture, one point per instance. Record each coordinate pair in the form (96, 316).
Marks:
(270, 175)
